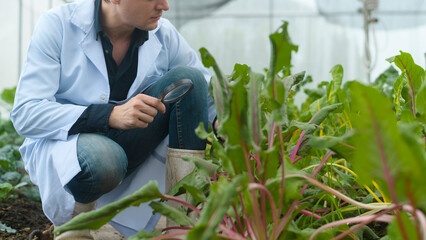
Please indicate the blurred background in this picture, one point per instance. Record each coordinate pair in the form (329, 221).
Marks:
(359, 34)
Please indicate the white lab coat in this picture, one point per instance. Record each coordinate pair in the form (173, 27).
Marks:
(65, 72)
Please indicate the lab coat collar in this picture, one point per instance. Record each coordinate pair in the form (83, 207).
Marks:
(83, 17)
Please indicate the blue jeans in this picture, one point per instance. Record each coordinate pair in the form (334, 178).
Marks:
(107, 158)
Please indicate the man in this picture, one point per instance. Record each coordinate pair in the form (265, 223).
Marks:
(87, 103)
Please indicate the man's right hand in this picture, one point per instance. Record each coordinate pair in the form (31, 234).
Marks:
(138, 112)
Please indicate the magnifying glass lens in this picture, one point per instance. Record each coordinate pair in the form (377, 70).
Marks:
(176, 91)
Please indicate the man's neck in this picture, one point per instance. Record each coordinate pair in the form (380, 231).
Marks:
(113, 25)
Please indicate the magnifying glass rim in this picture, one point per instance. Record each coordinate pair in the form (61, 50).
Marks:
(171, 87)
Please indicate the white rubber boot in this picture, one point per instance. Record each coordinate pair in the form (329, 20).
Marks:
(177, 169)
(83, 234)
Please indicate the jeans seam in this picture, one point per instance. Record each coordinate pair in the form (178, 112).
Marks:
(91, 174)
(179, 125)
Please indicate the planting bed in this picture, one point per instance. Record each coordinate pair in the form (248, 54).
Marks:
(22, 215)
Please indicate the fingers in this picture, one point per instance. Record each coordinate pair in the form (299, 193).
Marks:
(153, 102)
(138, 112)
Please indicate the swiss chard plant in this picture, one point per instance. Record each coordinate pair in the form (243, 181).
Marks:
(349, 157)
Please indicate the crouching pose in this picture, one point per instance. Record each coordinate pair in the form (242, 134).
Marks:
(87, 103)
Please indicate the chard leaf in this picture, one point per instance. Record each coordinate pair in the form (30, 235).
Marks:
(421, 101)
(382, 154)
(394, 231)
(254, 112)
(282, 48)
(335, 84)
(172, 213)
(413, 74)
(221, 196)
(99, 217)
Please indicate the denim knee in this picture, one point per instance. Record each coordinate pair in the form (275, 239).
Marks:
(103, 166)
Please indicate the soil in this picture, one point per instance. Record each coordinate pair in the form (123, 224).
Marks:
(24, 216)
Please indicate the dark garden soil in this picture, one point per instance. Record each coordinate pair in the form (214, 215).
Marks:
(22, 215)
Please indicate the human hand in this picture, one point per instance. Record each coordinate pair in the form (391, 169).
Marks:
(138, 112)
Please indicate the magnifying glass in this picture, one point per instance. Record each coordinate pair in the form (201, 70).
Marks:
(177, 90)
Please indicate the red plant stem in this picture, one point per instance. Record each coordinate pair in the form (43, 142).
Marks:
(168, 197)
(363, 223)
(240, 226)
(316, 171)
(246, 220)
(385, 218)
(307, 213)
(270, 198)
(234, 228)
(214, 177)
(175, 228)
(386, 170)
(218, 95)
(413, 105)
(421, 218)
(285, 219)
(282, 154)
(293, 154)
(257, 159)
(230, 233)
(271, 136)
(170, 235)
(413, 203)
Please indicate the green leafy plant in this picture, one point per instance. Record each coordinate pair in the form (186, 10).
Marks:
(351, 155)
(14, 181)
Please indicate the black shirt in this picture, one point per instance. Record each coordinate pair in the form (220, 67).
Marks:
(95, 118)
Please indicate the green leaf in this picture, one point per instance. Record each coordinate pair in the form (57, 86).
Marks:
(413, 74)
(142, 235)
(421, 101)
(335, 84)
(8, 95)
(97, 218)
(254, 112)
(221, 196)
(195, 193)
(172, 213)
(282, 48)
(394, 231)
(398, 86)
(381, 150)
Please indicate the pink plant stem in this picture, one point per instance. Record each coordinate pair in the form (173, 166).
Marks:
(413, 105)
(282, 156)
(230, 233)
(307, 213)
(285, 219)
(170, 236)
(413, 203)
(270, 198)
(176, 228)
(421, 217)
(168, 197)
(385, 218)
(316, 171)
(258, 163)
(363, 223)
(293, 154)
(386, 170)
(218, 95)
(240, 226)
(271, 136)
(234, 228)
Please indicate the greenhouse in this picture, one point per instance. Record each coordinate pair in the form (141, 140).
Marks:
(213, 119)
